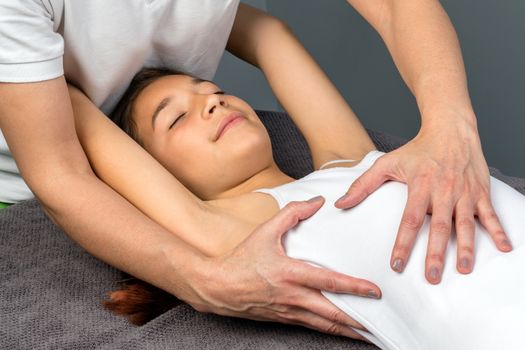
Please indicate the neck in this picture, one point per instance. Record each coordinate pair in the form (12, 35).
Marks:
(266, 178)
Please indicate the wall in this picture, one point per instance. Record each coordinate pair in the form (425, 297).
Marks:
(492, 38)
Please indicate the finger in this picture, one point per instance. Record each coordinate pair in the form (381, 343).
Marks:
(292, 214)
(300, 317)
(489, 219)
(465, 230)
(411, 222)
(440, 230)
(323, 325)
(308, 319)
(322, 279)
(363, 186)
(316, 303)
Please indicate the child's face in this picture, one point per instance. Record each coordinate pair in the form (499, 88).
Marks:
(209, 140)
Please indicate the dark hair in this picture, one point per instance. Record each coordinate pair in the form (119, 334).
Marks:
(122, 114)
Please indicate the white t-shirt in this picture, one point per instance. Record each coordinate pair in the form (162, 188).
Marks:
(100, 45)
(484, 310)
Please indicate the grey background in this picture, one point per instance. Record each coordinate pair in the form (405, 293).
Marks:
(491, 33)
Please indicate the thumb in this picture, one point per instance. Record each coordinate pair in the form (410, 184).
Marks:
(364, 185)
(294, 212)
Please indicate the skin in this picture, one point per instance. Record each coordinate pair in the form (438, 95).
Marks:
(55, 166)
(448, 179)
(229, 249)
(39, 124)
(183, 139)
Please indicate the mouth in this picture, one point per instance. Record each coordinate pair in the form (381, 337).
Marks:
(227, 123)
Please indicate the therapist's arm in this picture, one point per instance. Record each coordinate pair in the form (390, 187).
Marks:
(443, 165)
(37, 122)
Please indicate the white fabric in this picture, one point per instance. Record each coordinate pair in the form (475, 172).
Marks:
(100, 45)
(481, 311)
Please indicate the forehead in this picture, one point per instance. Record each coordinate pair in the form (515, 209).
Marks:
(166, 83)
(167, 86)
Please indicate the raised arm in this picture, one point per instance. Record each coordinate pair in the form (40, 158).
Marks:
(329, 125)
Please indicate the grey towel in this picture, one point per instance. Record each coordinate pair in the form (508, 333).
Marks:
(51, 290)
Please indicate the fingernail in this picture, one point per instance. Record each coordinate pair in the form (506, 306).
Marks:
(346, 196)
(342, 198)
(398, 265)
(464, 263)
(506, 243)
(434, 273)
(372, 294)
(315, 199)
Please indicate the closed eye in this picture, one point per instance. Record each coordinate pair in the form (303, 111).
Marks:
(220, 92)
(176, 120)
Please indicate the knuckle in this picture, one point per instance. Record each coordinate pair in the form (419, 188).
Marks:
(357, 184)
(286, 313)
(401, 250)
(435, 258)
(484, 193)
(440, 227)
(450, 177)
(333, 328)
(330, 284)
(465, 223)
(293, 206)
(466, 251)
(411, 221)
(491, 215)
(287, 301)
(337, 316)
(500, 234)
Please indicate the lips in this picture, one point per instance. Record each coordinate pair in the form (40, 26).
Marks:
(227, 123)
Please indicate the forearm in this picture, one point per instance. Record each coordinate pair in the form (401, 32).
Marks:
(110, 228)
(425, 48)
(37, 122)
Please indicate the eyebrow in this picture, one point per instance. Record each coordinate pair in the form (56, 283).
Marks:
(196, 80)
(166, 101)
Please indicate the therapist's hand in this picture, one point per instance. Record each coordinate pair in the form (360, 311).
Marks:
(258, 281)
(447, 176)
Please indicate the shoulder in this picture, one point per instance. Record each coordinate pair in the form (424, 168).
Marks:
(31, 49)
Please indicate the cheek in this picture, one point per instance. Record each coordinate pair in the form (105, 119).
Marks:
(204, 166)
(188, 157)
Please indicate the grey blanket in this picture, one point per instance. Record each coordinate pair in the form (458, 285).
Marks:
(51, 290)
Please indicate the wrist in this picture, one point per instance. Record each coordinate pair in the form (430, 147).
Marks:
(460, 122)
(184, 270)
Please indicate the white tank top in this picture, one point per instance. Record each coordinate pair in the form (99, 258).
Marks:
(483, 310)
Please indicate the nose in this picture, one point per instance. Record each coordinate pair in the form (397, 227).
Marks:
(213, 101)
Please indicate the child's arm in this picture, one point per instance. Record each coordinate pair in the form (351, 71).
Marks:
(329, 125)
(137, 176)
